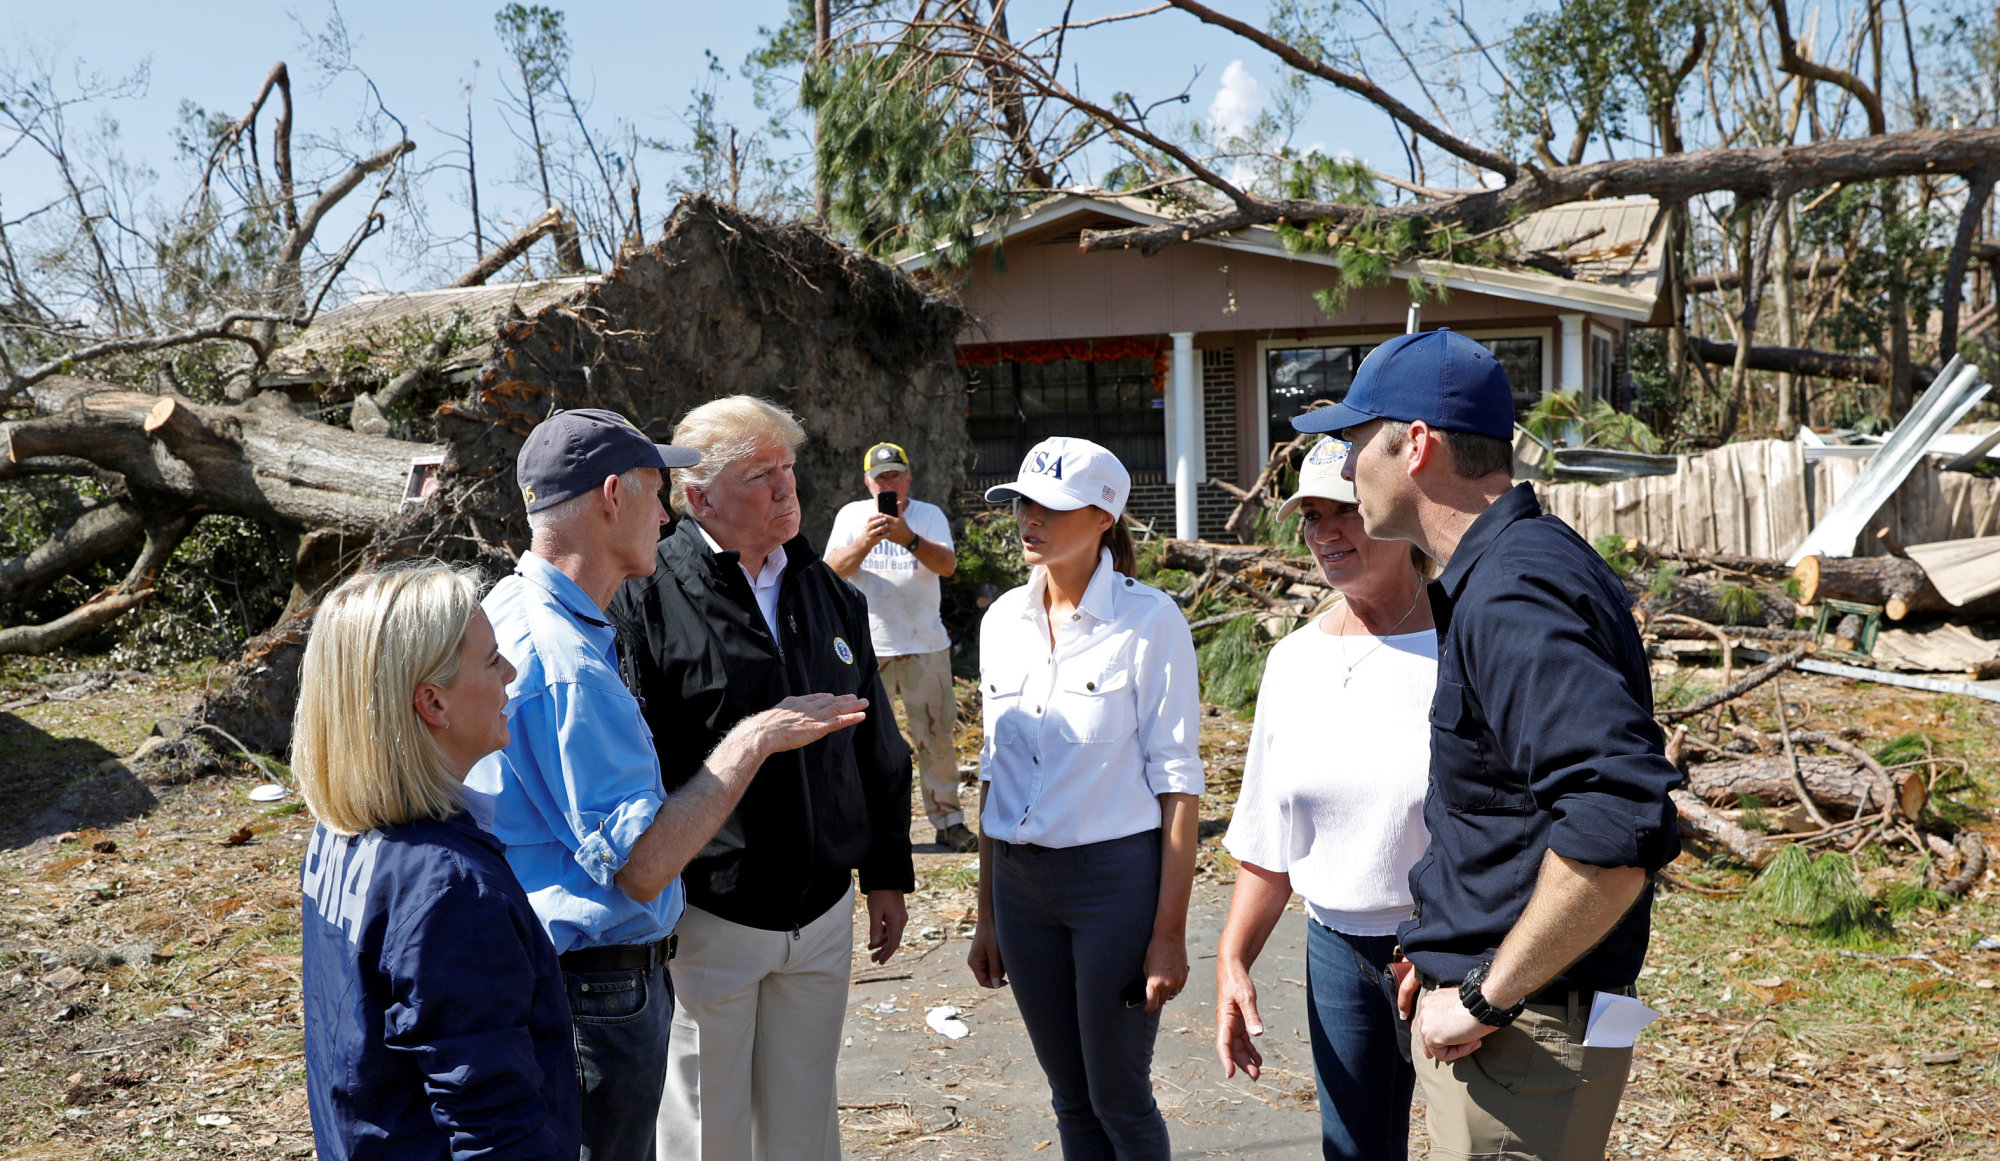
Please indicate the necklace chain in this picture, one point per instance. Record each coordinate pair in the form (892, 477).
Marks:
(1347, 614)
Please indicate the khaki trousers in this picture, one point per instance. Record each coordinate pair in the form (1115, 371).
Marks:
(1529, 1092)
(756, 1038)
(930, 713)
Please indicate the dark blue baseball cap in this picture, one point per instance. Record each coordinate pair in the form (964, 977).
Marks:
(571, 452)
(1440, 377)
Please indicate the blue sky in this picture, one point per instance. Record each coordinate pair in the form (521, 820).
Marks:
(636, 60)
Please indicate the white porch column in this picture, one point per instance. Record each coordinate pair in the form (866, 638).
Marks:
(1415, 321)
(1184, 434)
(1572, 354)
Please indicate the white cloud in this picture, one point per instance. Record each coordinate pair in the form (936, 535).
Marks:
(1236, 103)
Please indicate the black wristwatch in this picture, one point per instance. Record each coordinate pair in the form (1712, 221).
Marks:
(914, 541)
(1476, 1003)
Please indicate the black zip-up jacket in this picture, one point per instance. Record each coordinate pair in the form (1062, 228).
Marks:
(700, 659)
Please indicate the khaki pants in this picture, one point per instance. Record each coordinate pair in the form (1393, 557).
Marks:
(930, 713)
(756, 1038)
(1529, 1092)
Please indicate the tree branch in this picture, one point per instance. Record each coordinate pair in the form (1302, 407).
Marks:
(161, 540)
(1360, 86)
(1750, 172)
(1797, 65)
(219, 329)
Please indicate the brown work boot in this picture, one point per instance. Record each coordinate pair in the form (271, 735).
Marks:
(957, 837)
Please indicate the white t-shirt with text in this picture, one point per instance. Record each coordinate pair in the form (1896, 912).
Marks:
(903, 595)
(1334, 780)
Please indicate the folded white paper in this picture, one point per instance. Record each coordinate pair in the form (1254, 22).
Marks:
(1615, 1021)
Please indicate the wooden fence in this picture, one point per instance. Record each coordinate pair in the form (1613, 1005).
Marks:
(1759, 498)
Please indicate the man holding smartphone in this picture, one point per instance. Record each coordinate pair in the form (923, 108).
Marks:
(896, 550)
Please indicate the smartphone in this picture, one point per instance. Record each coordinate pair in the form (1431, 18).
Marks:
(888, 503)
(1134, 993)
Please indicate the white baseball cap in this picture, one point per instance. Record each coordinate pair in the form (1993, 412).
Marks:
(1320, 477)
(1066, 473)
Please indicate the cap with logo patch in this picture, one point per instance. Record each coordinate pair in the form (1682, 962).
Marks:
(571, 452)
(1320, 478)
(1066, 473)
(884, 457)
(1439, 377)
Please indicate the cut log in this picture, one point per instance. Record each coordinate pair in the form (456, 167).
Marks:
(1898, 585)
(1709, 827)
(1837, 784)
(259, 459)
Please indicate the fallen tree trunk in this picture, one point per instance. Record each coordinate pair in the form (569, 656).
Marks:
(259, 459)
(1711, 828)
(1792, 361)
(1840, 784)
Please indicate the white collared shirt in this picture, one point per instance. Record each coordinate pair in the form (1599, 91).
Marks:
(764, 585)
(1080, 740)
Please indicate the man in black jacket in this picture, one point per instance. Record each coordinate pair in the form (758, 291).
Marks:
(738, 614)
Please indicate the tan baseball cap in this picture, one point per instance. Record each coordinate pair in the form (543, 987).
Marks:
(1320, 477)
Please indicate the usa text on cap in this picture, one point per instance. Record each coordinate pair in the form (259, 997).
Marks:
(1066, 473)
(1439, 377)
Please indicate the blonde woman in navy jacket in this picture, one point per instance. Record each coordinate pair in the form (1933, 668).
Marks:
(1088, 824)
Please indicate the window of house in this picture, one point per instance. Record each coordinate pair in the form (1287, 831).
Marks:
(1295, 377)
(1603, 369)
(1521, 359)
(1113, 403)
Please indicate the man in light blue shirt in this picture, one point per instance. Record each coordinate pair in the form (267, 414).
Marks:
(590, 833)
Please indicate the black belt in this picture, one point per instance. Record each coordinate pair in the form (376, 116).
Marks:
(621, 957)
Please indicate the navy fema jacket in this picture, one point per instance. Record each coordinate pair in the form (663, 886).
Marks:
(1542, 739)
(436, 1020)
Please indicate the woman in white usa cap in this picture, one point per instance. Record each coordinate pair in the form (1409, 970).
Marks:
(1087, 822)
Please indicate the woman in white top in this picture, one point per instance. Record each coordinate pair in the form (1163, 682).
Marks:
(1087, 823)
(1332, 807)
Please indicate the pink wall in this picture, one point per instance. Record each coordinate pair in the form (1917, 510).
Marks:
(1049, 290)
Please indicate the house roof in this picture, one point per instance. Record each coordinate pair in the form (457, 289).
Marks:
(378, 330)
(1605, 244)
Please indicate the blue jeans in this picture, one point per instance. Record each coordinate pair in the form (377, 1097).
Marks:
(1073, 925)
(620, 1020)
(1364, 1082)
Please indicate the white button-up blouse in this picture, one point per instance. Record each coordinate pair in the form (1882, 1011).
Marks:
(1082, 738)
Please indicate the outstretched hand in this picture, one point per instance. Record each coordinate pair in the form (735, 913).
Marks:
(801, 721)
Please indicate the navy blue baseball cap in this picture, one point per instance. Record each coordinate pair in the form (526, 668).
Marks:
(1440, 377)
(571, 452)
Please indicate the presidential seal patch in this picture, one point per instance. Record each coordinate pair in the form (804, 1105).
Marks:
(841, 650)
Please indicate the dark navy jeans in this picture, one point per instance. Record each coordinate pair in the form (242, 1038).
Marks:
(1364, 1082)
(1073, 925)
(621, 1020)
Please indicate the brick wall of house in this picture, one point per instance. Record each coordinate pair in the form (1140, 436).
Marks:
(1218, 404)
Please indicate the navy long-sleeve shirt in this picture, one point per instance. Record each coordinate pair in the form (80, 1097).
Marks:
(436, 1018)
(1542, 738)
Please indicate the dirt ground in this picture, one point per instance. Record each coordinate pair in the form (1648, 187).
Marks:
(149, 976)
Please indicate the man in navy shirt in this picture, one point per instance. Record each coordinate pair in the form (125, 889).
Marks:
(1548, 807)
